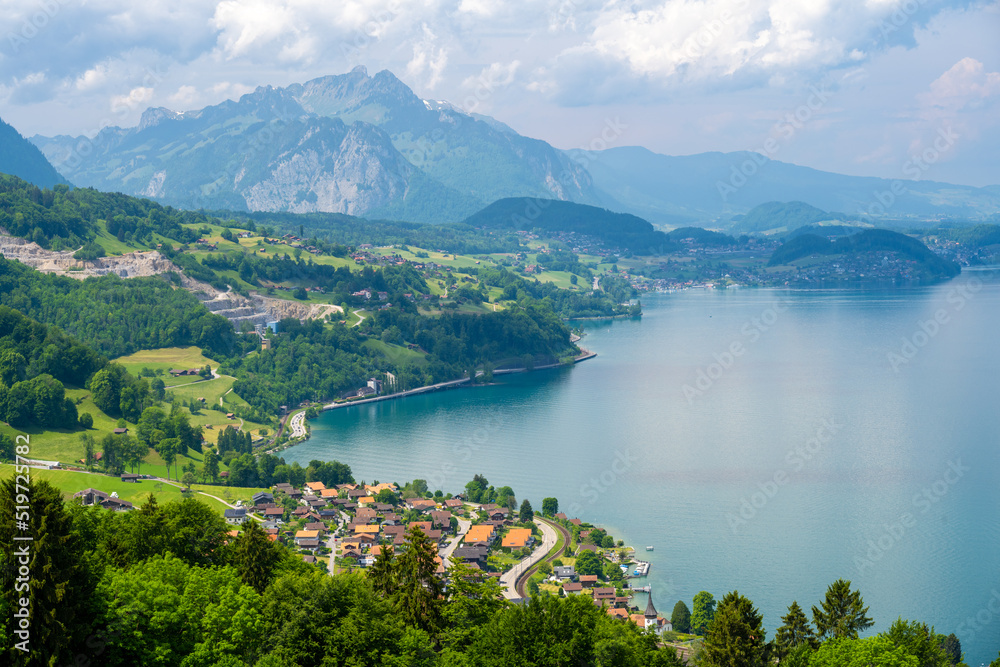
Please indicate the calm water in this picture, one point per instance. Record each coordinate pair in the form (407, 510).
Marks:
(732, 486)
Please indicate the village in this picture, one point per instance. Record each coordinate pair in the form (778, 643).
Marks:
(345, 527)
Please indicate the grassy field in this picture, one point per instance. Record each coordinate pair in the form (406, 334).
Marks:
(165, 359)
(397, 354)
(70, 482)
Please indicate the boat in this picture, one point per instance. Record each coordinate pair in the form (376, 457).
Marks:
(649, 548)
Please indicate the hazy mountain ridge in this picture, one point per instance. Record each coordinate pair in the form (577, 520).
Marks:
(709, 188)
(19, 157)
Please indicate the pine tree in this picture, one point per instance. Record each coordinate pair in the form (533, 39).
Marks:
(736, 636)
(843, 613)
(680, 619)
(796, 631)
(254, 556)
(526, 515)
(382, 574)
(418, 593)
(58, 585)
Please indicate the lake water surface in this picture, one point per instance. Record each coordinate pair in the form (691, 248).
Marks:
(760, 440)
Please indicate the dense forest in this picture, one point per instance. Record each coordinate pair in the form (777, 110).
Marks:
(349, 230)
(168, 585)
(877, 240)
(550, 216)
(115, 316)
(65, 218)
(311, 361)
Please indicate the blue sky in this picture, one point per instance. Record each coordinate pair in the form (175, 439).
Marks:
(860, 87)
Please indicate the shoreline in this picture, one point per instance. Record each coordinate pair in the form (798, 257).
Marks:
(584, 356)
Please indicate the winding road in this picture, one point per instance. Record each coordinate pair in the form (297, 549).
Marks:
(513, 579)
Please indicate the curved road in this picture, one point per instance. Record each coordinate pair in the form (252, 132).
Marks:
(298, 424)
(510, 579)
(523, 579)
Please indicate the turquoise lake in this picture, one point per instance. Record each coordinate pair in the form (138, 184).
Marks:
(768, 441)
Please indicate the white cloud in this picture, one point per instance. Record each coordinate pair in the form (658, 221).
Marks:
(135, 98)
(428, 61)
(184, 96)
(966, 83)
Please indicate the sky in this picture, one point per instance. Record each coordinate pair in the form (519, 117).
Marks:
(866, 87)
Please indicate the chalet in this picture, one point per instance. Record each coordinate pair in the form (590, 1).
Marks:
(618, 612)
(311, 544)
(441, 520)
(129, 477)
(91, 496)
(454, 504)
(588, 580)
(391, 519)
(318, 526)
(604, 594)
(364, 515)
(236, 516)
(517, 538)
(469, 554)
(420, 504)
(382, 508)
(317, 503)
(481, 534)
(300, 512)
(572, 587)
(561, 516)
(354, 494)
(315, 487)
(424, 526)
(120, 431)
(302, 535)
(284, 487)
(309, 558)
(274, 513)
(116, 504)
(393, 531)
(262, 497)
(329, 493)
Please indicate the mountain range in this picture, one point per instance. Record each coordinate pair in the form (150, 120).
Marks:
(368, 146)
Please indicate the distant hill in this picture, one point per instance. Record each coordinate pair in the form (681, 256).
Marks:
(19, 157)
(869, 240)
(709, 188)
(777, 215)
(701, 236)
(619, 229)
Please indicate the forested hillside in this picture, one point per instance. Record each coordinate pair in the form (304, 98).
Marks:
(21, 158)
(869, 240)
(115, 316)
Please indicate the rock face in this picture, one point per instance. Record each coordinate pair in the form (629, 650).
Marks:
(346, 144)
(131, 265)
